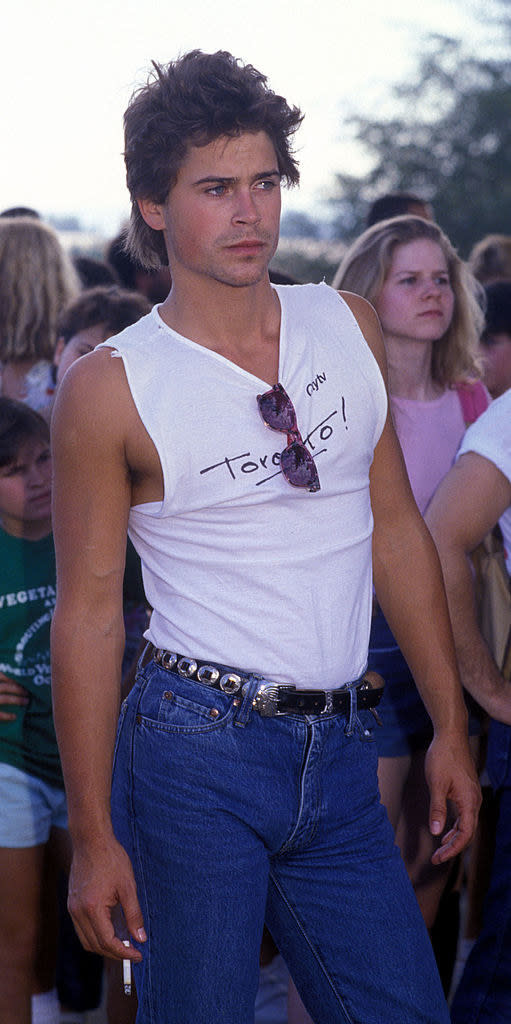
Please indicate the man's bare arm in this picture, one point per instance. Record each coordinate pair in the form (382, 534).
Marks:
(409, 587)
(91, 504)
(468, 503)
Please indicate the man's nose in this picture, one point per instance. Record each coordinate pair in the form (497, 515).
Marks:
(246, 209)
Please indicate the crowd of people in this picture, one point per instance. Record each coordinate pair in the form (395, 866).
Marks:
(271, 662)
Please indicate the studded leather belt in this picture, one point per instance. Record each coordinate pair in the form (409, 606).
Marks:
(272, 698)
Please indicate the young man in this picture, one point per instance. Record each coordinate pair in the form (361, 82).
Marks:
(243, 786)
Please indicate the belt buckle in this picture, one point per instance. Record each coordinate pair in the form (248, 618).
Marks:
(267, 697)
(265, 701)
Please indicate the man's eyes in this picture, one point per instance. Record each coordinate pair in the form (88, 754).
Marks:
(216, 190)
(263, 185)
(267, 184)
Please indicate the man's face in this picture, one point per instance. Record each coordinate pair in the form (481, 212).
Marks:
(221, 218)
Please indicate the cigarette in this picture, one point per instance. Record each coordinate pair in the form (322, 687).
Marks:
(126, 971)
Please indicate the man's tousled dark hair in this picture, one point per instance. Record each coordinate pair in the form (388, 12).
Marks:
(193, 101)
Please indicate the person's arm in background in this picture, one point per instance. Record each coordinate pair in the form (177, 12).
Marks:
(11, 694)
(468, 503)
(409, 587)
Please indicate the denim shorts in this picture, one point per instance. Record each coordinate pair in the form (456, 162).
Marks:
(232, 819)
(406, 726)
(30, 808)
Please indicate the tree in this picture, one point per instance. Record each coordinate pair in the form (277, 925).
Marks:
(450, 142)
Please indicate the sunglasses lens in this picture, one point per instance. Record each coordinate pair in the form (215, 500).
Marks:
(299, 467)
(277, 410)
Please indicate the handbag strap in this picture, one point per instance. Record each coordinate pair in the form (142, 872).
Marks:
(473, 398)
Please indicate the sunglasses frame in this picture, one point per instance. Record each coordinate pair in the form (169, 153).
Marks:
(296, 450)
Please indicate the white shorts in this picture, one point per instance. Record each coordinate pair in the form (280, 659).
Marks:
(30, 808)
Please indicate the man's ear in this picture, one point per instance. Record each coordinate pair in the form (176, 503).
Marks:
(152, 213)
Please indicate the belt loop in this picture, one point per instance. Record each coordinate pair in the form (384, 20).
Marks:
(353, 719)
(247, 705)
(354, 722)
(143, 660)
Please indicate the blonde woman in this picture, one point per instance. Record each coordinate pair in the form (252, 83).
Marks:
(428, 306)
(37, 279)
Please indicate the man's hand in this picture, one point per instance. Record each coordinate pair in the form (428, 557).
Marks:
(451, 776)
(101, 880)
(11, 693)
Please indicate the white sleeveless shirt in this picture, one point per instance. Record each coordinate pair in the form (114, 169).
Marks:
(240, 567)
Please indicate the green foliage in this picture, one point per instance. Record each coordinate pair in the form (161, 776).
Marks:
(450, 142)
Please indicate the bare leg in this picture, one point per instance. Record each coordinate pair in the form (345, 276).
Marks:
(21, 872)
(418, 845)
(392, 777)
(57, 860)
(405, 794)
(297, 1014)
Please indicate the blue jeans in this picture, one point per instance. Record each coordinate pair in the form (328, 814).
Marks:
(230, 818)
(484, 992)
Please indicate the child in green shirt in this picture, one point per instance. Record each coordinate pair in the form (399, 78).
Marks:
(33, 837)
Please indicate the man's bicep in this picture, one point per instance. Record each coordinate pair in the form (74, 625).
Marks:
(391, 494)
(91, 489)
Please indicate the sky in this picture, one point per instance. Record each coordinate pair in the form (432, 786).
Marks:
(67, 71)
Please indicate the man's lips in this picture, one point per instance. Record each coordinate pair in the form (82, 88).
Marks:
(247, 244)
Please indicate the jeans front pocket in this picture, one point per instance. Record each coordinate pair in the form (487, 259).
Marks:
(174, 704)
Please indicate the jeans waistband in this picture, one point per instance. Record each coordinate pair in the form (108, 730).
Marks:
(272, 698)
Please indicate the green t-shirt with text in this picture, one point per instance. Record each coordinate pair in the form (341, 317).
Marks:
(27, 600)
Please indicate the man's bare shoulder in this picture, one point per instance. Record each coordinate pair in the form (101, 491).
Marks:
(94, 390)
(359, 306)
(369, 324)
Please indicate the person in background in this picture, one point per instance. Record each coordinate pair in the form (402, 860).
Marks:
(95, 315)
(495, 346)
(396, 204)
(34, 844)
(37, 279)
(20, 211)
(92, 271)
(490, 259)
(472, 498)
(431, 319)
(153, 282)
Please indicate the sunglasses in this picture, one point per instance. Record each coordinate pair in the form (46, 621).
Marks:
(296, 462)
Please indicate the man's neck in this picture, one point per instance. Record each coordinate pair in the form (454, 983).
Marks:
(240, 323)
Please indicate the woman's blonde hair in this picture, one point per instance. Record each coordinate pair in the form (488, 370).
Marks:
(37, 278)
(365, 266)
